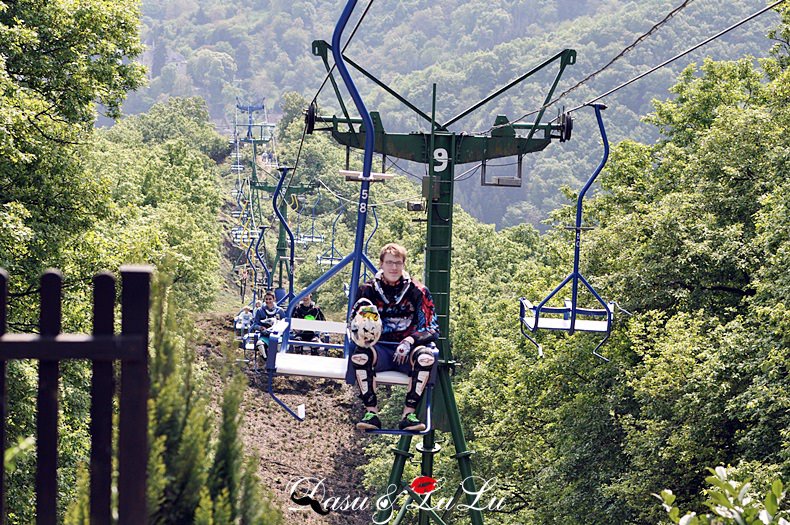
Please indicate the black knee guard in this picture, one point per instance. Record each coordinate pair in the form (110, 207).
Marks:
(422, 363)
(363, 360)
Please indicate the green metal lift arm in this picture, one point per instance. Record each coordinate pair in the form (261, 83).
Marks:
(321, 48)
(566, 57)
(415, 146)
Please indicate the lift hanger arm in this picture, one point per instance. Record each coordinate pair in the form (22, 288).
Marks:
(566, 57)
(321, 47)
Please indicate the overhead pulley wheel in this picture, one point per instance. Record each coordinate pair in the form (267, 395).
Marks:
(566, 127)
(309, 118)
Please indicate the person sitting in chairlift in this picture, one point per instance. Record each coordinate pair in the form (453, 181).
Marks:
(243, 321)
(408, 323)
(264, 319)
(307, 309)
(258, 305)
(268, 314)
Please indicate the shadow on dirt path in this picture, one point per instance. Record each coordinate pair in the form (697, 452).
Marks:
(325, 446)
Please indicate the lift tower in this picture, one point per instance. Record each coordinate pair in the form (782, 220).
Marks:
(441, 149)
(259, 134)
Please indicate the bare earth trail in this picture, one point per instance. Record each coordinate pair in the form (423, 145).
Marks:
(325, 446)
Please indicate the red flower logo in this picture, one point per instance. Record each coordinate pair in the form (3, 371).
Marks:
(423, 485)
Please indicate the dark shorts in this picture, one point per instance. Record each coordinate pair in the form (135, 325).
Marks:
(384, 359)
(385, 353)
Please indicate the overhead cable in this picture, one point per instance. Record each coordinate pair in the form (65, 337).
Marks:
(471, 171)
(397, 166)
(680, 55)
(642, 75)
(329, 74)
(355, 201)
(625, 50)
(617, 57)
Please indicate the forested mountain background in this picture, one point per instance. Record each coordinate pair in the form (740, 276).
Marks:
(692, 239)
(256, 49)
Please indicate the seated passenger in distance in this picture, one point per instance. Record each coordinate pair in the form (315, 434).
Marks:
(307, 309)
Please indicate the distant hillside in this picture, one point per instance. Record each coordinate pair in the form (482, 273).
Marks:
(262, 49)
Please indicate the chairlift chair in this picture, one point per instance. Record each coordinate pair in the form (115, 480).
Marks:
(278, 359)
(313, 237)
(283, 363)
(251, 354)
(280, 362)
(332, 256)
(533, 318)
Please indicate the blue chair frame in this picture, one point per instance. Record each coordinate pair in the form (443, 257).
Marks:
(570, 311)
(291, 244)
(331, 254)
(357, 258)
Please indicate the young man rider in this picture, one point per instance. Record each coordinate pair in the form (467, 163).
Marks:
(409, 324)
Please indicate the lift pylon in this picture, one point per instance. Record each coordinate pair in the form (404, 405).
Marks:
(441, 149)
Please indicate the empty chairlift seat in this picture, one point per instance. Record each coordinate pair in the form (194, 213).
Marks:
(559, 318)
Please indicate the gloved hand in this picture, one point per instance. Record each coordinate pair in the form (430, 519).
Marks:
(402, 352)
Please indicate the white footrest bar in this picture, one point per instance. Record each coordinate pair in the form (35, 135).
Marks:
(356, 176)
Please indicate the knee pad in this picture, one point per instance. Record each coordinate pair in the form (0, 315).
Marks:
(363, 360)
(422, 363)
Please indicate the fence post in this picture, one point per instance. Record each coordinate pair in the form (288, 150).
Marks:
(133, 434)
(3, 392)
(102, 390)
(47, 417)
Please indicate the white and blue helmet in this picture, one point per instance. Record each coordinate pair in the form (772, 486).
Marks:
(364, 328)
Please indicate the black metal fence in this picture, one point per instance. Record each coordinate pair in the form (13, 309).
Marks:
(130, 347)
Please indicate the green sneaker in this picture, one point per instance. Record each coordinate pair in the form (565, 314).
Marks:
(411, 423)
(370, 421)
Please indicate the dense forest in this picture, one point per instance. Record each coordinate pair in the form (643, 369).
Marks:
(690, 239)
(71, 197)
(254, 49)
